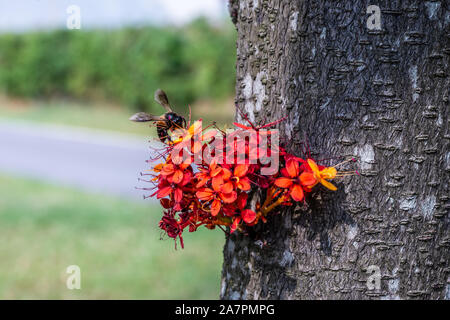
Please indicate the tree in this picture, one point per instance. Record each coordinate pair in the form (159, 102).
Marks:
(369, 82)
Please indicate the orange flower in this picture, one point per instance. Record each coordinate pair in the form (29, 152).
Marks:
(205, 175)
(184, 135)
(174, 173)
(207, 194)
(310, 179)
(194, 133)
(220, 192)
(239, 180)
(291, 180)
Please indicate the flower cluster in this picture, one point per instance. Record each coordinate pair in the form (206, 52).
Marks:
(205, 178)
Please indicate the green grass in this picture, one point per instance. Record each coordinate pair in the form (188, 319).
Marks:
(116, 243)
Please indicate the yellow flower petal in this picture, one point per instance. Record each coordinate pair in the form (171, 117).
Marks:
(328, 185)
(313, 167)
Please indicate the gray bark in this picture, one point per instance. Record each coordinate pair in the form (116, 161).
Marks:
(381, 96)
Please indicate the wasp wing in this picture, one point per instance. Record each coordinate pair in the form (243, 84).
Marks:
(144, 117)
(161, 98)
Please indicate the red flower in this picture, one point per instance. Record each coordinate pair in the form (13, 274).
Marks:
(217, 194)
(242, 200)
(173, 183)
(249, 216)
(172, 227)
(235, 224)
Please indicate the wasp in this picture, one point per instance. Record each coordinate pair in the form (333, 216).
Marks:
(169, 121)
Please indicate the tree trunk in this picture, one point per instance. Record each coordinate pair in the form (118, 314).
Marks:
(380, 95)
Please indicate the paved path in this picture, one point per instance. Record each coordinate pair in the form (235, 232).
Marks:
(91, 160)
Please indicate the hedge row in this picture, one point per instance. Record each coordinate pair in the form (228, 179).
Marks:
(124, 66)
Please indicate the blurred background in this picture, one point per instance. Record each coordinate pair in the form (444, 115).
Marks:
(70, 160)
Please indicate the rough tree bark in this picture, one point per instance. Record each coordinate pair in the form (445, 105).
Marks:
(381, 96)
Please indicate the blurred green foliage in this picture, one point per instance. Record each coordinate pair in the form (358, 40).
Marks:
(196, 61)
